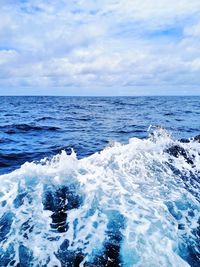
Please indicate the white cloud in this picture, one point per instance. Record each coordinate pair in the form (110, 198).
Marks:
(7, 57)
(193, 30)
(107, 43)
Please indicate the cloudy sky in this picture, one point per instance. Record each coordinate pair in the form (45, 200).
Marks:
(100, 47)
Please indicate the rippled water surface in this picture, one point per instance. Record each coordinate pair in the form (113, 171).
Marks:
(34, 127)
(121, 193)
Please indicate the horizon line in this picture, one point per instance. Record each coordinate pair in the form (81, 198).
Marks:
(197, 95)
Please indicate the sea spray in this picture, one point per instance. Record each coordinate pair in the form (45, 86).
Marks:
(129, 205)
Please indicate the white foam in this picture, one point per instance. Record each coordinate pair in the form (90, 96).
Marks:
(132, 179)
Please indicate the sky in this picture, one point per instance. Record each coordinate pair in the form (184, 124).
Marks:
(101, 47)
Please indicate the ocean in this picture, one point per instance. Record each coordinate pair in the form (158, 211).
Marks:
(99, 181)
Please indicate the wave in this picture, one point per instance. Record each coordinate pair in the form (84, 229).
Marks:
(16, 128)
(129, 205)
(45, 118)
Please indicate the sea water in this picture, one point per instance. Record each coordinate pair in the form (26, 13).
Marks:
(103, 181)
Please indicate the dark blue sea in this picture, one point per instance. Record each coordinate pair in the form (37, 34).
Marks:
(99, 181)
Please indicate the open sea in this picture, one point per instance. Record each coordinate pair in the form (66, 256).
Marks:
(99, 181)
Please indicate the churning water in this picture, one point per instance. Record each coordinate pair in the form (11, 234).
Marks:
(113, 194)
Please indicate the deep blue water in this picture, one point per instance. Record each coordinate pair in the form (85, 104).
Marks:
(35, 127)
(85, 181)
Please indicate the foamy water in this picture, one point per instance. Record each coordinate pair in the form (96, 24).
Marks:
(129, 205)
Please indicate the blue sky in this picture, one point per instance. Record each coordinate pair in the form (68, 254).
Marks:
(102, 47)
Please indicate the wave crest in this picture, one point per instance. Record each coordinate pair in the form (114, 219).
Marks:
(135, 205)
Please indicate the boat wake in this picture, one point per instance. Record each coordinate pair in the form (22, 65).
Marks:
(129, 205)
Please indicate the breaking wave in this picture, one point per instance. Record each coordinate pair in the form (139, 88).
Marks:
(129, 205)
